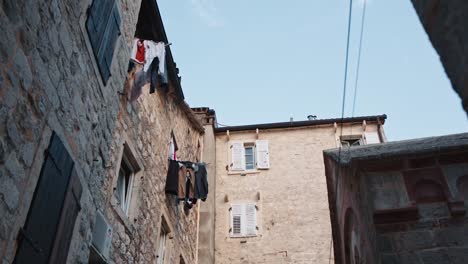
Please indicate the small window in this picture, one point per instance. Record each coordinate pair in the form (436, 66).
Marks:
(162, 245)
(181, 261)
(351, 141)
(249, 157)
(173, 147)
(243, 220)
(124, 186)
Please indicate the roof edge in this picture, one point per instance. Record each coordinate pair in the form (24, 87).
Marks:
(376, 118)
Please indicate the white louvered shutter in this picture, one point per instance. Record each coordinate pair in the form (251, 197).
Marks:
(372, 138)
(250, 214)
(263, 156)
(236, 220)
(237, 155)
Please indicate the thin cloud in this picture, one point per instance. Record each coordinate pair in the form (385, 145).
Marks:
(208, 12)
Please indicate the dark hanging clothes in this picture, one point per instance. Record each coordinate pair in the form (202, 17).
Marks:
(182, 180)
(153, 75)
(172, 179)
(188, 203)
(201, 182)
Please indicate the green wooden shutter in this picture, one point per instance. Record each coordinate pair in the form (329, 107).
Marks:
(37, 237)
(103, 26)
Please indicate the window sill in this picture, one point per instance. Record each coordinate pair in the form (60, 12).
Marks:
(240, 237)
(245, 172)
(123, 217)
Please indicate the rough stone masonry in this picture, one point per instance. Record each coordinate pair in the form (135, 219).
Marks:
(50, 82)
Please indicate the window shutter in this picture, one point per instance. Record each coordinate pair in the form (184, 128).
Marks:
(263, 158)
(236, 219)
(372, 137)
(97, 21)
(106, 50)
(71, 208)
(237, 155)
(103, 26)
(47, 212)
(250, 226)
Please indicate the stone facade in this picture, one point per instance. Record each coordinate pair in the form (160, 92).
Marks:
(49, 82)
(292, 217)
(206, 228)
(446, 23)
(400, 202)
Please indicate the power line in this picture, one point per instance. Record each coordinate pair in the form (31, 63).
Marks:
(359, 56)
(343, 104)
(346, 63)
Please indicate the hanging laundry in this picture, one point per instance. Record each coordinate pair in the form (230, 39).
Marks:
(141, 78)
(172, 179)
(140, 54)
(201, 182)
(156, 50)
(189, 201)
(152, 75)
(188, 181)
(138, 51)
(152, 57)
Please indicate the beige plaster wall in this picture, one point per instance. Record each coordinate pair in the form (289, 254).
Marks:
(293, 216)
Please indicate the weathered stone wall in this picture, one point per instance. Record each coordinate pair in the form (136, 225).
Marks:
(50, 82)
(446, 23)
(206, 228)
(401, 204)
(438, 235)
(293, 215)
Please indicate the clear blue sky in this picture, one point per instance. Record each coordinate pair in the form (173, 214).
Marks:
(266, 60)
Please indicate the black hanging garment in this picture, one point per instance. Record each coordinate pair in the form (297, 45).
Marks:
(172, 179)
(188, 202)
(201, 182)
(153, 75)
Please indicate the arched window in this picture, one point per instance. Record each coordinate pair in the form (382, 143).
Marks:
(428, 191)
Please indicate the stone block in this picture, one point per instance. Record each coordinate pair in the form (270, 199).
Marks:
(21, 66)
(413, 240)
(9, 193)
(27, 153)
(451, 237)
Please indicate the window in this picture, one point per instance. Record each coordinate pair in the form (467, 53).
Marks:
(249, 155)
(124, 186)
(173, 147)
(162, 245)
(351, 141)
(48, 230)
(243, 220)
(103, 27)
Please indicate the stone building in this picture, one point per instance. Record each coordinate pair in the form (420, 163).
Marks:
(446, 23)
(400, 202)
(76, 155)
(270, 203)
